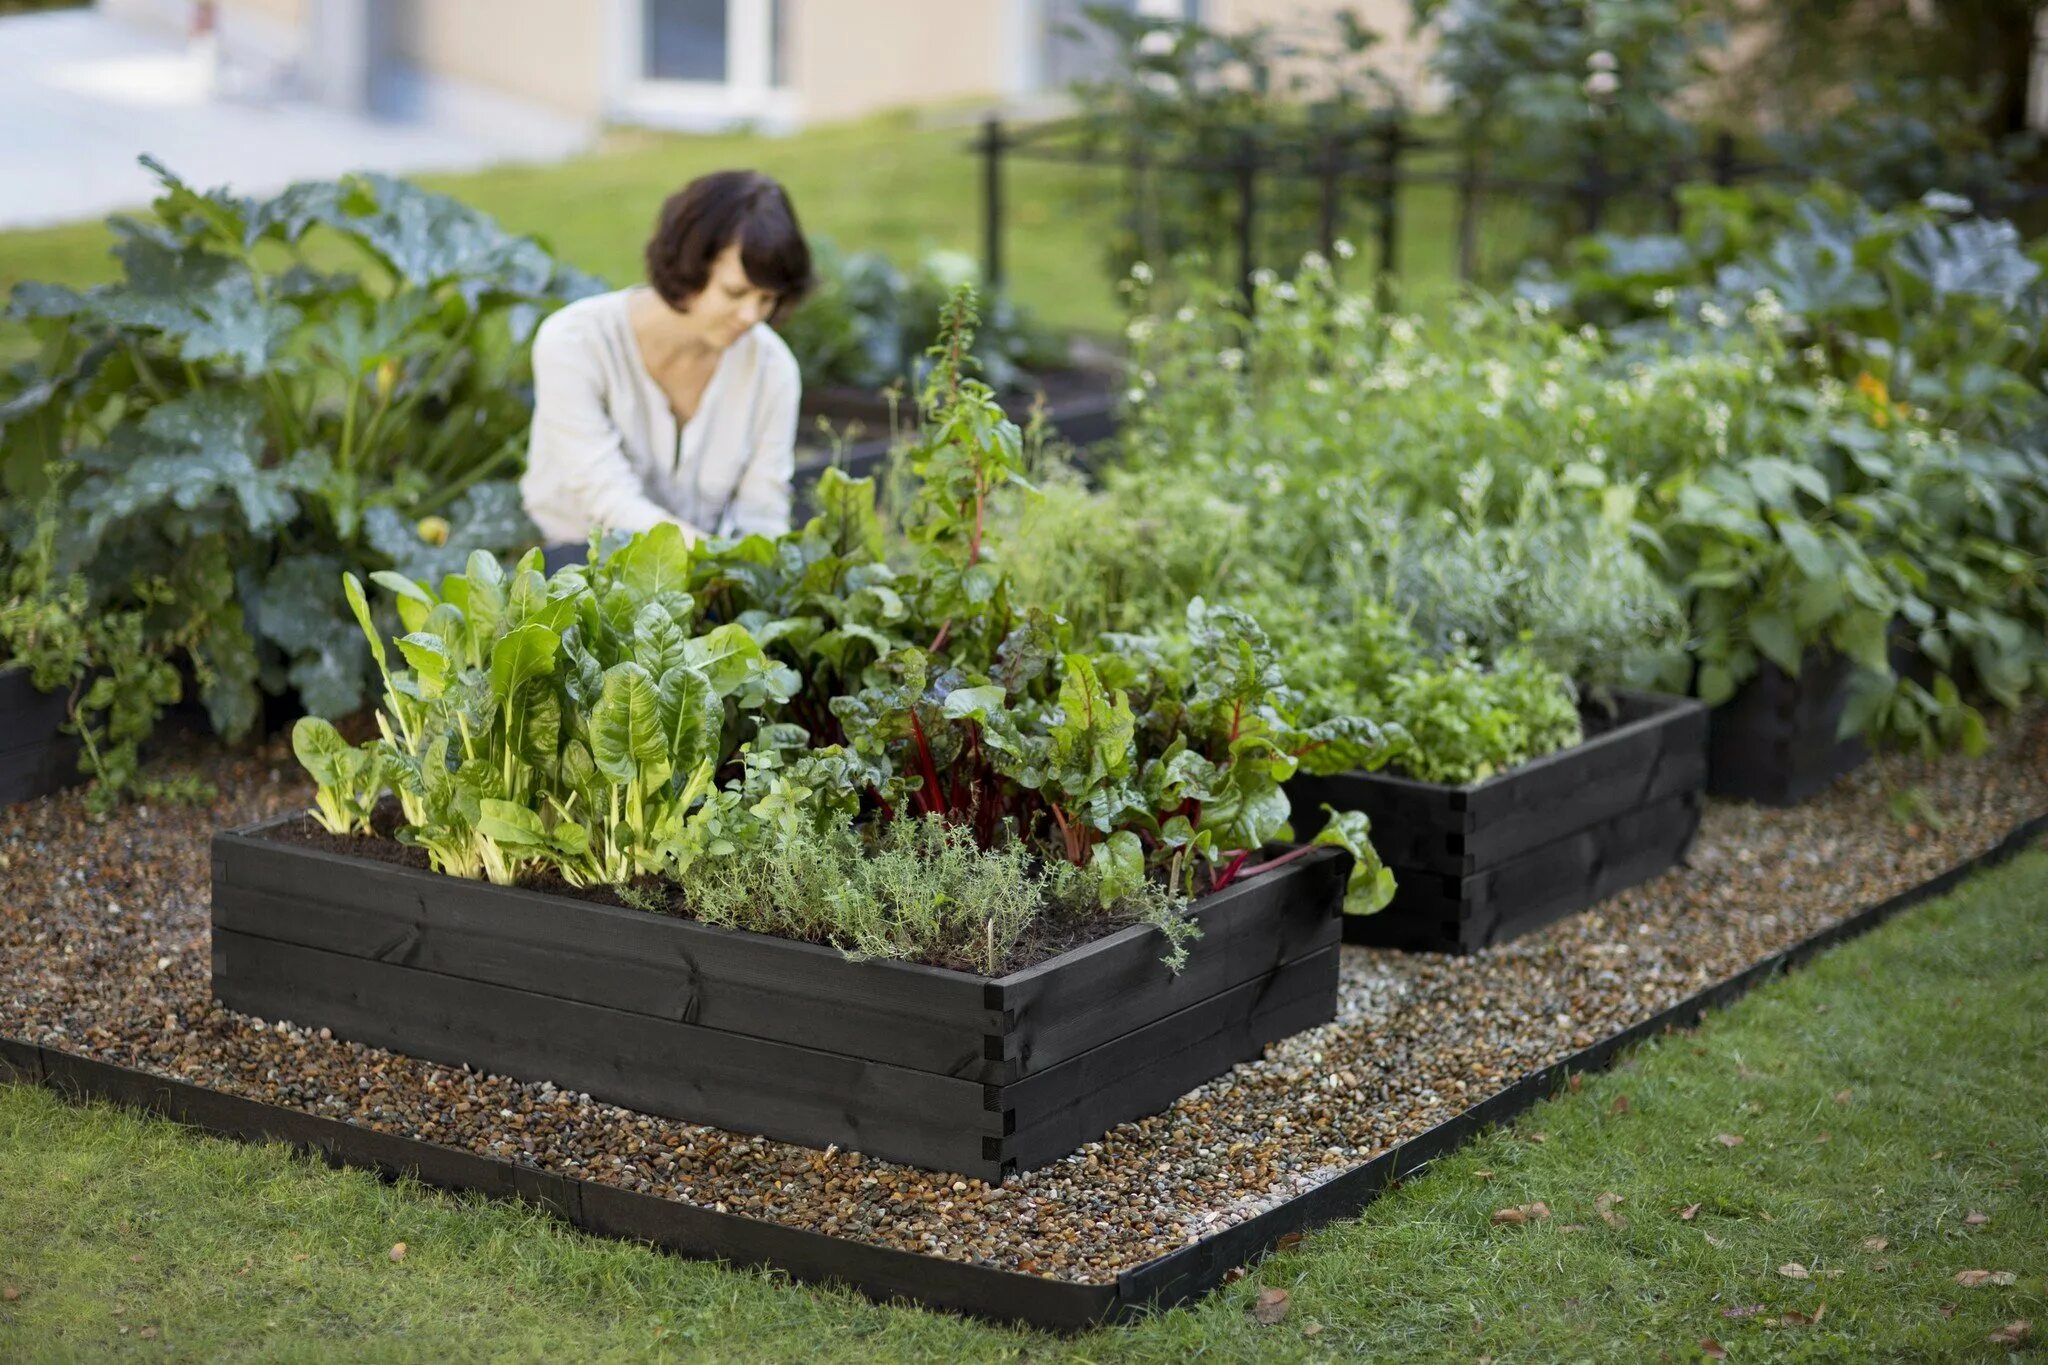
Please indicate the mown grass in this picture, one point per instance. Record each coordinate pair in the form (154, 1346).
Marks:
(894, 183)
(1892, 1090)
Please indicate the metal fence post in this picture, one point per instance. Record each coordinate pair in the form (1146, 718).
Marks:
(1326, 218)
(991, 148)
(1724, 158)
(1468, 212)
(1391, 143)
(1247, 214)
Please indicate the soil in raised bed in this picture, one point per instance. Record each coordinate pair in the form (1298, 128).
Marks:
(104, 951)
(1047, 939)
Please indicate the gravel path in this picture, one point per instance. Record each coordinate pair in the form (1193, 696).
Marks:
(104, 950)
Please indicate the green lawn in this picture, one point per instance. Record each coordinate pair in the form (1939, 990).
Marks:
(1891, 1091)
(884, 183)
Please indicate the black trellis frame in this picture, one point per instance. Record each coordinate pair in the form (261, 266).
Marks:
(889, 1275)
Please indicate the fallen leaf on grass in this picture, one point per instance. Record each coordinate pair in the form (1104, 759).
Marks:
(1737, 1312)
(2014, 1333)
(1311, 1329)
(136, 1258)
(1876, 1243)
(1972, 1279)
(397, 1251)
(1604, 1206)
(1539, 1137)
(1844, 1096)
(1271, 1307)
(298, 1255)
(1792, 1270)
(147, 1334)
(1685, 1215)
(1824, 1137)
(1523, 1213)
(1286, 1241)
(10, 1293)
(1712, 1240)
(1713, 1349)
(1728, 1139)
(1574, 1082)
(1620, 1105)
(1977, 1220)
(1947, 1310)
(1792, 1317)
(1234, 1274)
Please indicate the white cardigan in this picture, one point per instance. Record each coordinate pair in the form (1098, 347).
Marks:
(604, 450)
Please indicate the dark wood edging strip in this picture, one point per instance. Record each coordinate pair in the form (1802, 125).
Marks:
(883, 1273)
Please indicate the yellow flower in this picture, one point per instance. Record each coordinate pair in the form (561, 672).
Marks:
(387, 378)
(1881, 405)
(433, 530)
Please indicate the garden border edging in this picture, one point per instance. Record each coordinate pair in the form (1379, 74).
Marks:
(884, 1273)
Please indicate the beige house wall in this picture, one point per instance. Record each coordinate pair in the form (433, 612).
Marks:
(852, 57)
(551, 52)
(1401, 52)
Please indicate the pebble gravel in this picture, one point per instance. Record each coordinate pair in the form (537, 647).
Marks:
(104, 951)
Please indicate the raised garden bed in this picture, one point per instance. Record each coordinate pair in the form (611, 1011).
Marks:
(1490, 861)
(1778, 740)
(36, 756)
(911, 1063)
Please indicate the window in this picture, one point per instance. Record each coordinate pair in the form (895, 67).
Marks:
(702, 63)
(685, 40)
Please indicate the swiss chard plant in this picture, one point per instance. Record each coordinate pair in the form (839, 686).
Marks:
(273, 391)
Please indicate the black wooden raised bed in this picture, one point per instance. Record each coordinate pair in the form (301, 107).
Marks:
(36, 756)
(1779, 739)
(1484, 863)
(908, 1063)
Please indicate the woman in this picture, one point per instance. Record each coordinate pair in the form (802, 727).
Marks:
(674, 400)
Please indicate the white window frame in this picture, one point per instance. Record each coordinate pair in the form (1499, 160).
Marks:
(746, 95)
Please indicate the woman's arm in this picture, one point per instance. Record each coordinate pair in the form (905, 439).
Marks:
(761, 502)
(577, 468)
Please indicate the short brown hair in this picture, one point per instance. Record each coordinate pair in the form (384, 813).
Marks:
(712, 212)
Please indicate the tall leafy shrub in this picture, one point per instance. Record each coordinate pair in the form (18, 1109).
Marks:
(276, 390)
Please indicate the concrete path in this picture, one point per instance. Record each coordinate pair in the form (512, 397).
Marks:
(82, 95)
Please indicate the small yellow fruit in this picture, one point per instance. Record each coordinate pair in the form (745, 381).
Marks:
(433, 530)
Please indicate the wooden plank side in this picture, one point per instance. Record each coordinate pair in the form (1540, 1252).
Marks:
(1060, 1086)
(1120, 1089)
(1080, 1000)
(1412, 822)
(1431, 913)
(686, 1071)
(1656, 750)
(39, 770)
(902, 1014)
